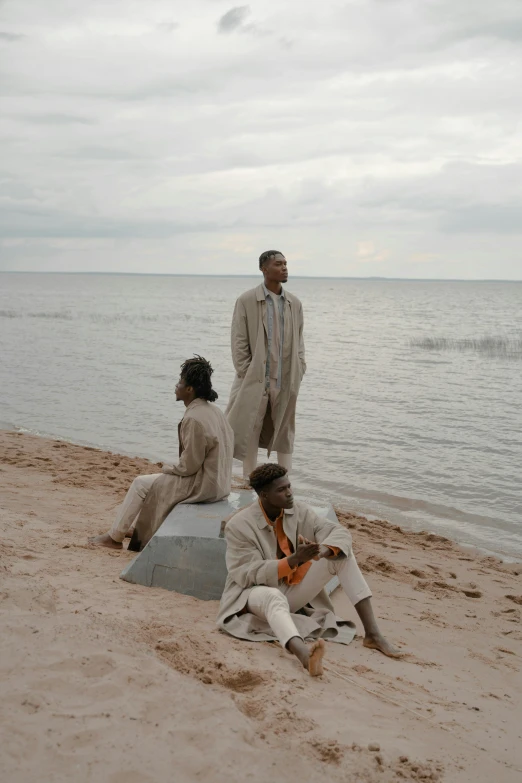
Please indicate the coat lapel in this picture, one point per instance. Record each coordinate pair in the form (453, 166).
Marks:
(264, 316)
(290, 526)
(261, 299)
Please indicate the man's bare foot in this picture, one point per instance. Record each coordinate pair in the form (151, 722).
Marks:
(315, 660)
(378, 642)
(105, 540)
(311, 657)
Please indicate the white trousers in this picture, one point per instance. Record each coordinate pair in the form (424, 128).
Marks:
(274, 604)
(131, 506)
(250, 461)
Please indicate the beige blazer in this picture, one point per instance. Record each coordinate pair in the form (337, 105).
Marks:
(203, 473)
(252, 560)
(249, 354)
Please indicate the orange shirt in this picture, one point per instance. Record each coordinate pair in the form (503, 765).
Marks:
(292, 576)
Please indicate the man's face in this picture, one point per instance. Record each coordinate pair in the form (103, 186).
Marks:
(276, 269)
(182, 390)
(279, 493)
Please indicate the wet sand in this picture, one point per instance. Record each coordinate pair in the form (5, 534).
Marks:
(106, 681)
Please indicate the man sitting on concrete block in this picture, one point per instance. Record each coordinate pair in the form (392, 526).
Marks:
(280, 555)
(202, 475)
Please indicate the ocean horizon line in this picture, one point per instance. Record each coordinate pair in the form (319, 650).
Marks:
(376, 278)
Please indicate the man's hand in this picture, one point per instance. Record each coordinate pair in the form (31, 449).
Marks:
(306, 551)
(166, 468)
(324, 551)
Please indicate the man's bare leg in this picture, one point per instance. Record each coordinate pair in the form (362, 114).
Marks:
(373, 637)
(106, 541)
(311, 656)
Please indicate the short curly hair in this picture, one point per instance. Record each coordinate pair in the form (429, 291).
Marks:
(267, 255)
(265, 474)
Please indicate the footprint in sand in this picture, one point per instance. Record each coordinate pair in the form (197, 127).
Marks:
(242, 681)
(29, 599)
(97, 665)
(472, 593)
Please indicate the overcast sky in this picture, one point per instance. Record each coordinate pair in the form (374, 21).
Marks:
(371, 137)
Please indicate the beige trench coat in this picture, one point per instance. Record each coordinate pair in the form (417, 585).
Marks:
(252, 560)
(202, 475)
(249, 355)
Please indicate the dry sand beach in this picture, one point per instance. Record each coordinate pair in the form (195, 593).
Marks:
(106, 681)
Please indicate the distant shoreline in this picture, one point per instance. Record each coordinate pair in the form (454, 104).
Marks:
(255, 276)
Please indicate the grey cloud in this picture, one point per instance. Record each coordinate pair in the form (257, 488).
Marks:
(57, 119)
(503, 30)
(484, 219)
(11, 37)
(34, 222)
(233, 18)
(508, 30)
(167, 27)
(101, 153)
(191, 84)
(255, 29)
(460, 199)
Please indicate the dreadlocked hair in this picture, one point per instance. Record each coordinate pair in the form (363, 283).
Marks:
(265, 474)
(267, 255)
(197, 373)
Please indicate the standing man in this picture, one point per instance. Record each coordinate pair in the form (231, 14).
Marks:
(204, 470)
(269, 359)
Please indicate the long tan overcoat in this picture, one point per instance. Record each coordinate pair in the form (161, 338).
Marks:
(202, 475)
(252, 560)
(249, 355)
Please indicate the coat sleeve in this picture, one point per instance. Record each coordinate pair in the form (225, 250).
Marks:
(241, 353)
(194, 449)
(302, 358)
(331, 533)
(245, 563)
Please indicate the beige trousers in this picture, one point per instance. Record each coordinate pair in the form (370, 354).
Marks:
(250, 462)
(274, 604)
(131, 506)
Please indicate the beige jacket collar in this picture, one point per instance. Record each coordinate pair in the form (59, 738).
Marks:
(195, 403)
(261, 294)
(267, 292)
(289, 523)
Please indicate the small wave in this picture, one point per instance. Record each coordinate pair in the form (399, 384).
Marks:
(121, 317)
(58, 316)
(64, 315)
(489, 345)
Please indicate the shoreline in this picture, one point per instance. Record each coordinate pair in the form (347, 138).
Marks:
(343, 504)
(118, 682)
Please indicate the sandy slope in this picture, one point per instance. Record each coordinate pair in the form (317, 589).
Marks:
(106, 681)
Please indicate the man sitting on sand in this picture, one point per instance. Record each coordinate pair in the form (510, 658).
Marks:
(280, 556)
(203, 473)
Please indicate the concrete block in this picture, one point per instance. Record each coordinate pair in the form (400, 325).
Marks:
(187, 554)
